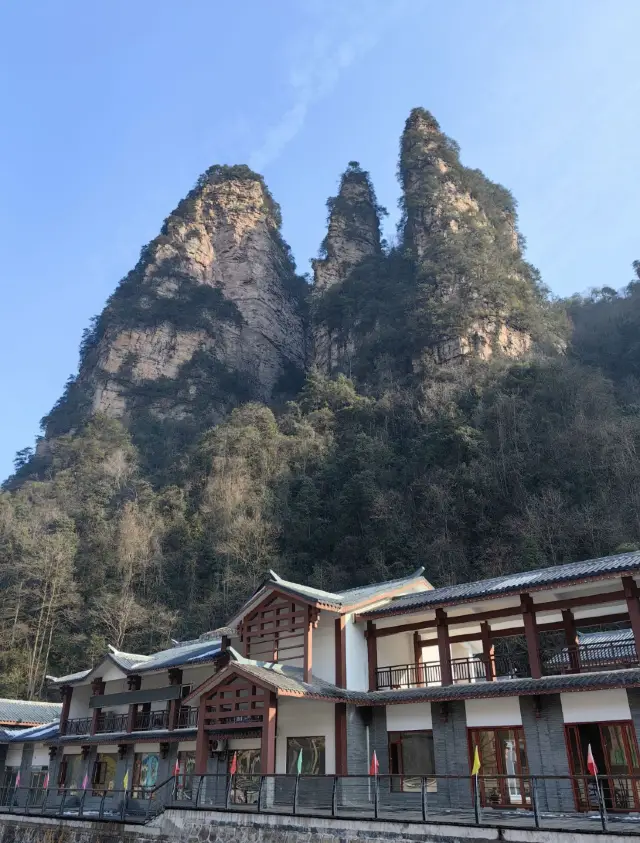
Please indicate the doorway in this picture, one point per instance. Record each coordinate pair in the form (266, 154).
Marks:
(615, 751)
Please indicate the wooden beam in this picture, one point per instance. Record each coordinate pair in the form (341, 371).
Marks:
(571, 638)
(340, 636)
(268, 741)
(202, 739)
(633, 607)
(308, 646)
(341, 738)
(444, 648)
(372, 654)
(488, 652)
(531, 634)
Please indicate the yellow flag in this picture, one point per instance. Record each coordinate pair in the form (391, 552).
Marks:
(125, 780)
(476, 762)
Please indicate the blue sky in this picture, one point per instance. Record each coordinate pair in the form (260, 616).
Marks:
(111, 110)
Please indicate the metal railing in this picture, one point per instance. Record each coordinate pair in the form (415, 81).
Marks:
(146, 720)
(111, 722)
(580, 658)
(77, 726)
(470, 669)
(571, 803)
(187, 718)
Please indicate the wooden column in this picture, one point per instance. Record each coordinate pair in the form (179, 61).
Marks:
(372, 654)
(633, 607)
(202, 740)
(134, 683)
(268, 742)
(488, 651)
(444, 647)
(308, 642)
(66, 692)
(417, 658)
(340, 637)
(97, 689)
(341, 738)
(531, 634)
(175, 678)
(571, 637)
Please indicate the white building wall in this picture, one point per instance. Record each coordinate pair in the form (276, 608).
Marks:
(80, 701)
(594, 706)
(493, 712)
(409, 717)
(40, 756)
(305, 719)
(14, 756)
(395, 649)
(357, 656)
(323, 644)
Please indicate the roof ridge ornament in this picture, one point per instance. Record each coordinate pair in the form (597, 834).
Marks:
(113, 650)
(275, 577)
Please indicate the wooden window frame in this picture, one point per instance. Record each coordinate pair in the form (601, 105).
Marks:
(522, 776)
(391, 742)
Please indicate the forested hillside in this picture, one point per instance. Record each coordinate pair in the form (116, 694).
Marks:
(425, 403)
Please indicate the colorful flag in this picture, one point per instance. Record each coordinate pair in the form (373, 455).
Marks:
(234, 764)
(374, 767)
(591, 762)
(45, 783)
(476, 762)
(299, 764)
(85, 781)
(125, 781)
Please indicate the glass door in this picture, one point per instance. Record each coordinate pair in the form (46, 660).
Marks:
(504, 766)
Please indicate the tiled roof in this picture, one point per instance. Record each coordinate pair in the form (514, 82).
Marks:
(190, 653)
(347, 597)
(511, 687)
(37, 733)
(510, 584)
(27, 712)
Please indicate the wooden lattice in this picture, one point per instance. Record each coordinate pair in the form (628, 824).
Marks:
(237, 704)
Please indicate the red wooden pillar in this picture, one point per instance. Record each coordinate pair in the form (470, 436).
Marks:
(175, 678)
(444, 647)
(633, 607)
(268, 742)
(372, 654)
(202, 739)
(417, 658)
(531, 634)
(134, 683)
(97, 690)
(571, 638)
(340, 637)
(488, 651)
(66, 693)
(308, 643)
(341, 739)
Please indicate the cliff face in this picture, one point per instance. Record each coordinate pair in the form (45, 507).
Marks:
(459, 229)
(352, 243)
(212, 314)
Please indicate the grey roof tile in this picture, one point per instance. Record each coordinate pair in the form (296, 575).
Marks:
(13, 712)
(510, 583)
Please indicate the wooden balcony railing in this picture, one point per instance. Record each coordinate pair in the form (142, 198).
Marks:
(188, 718)
(77, 726)
(109, 721)
(587, 658)
(147, 720)
(473, 669)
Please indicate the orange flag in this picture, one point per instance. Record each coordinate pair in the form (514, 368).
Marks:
(234, 764)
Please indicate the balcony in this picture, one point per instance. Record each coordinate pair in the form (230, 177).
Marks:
(151, 720)
(111, 722)
(463, 671)
(590, 658)
(77, 726)
(188, 718)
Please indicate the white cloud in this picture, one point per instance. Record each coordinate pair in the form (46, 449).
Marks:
(338, 35)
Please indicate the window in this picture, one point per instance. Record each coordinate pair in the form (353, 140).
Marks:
(502, 753)
(145, 773)
(69, 775)
(36, 783)
(104, 773)
(312, 756)
(8, 784)
(411, 756)
(247, 779)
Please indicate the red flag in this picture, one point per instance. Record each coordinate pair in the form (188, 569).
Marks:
(45, 783)
(373, 769)
(234, 764)
(591, 762)
(176, 770)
